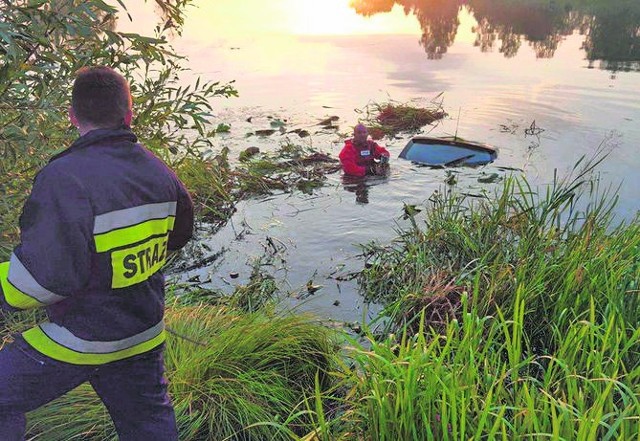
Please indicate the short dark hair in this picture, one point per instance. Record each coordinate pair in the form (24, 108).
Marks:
(100, 97)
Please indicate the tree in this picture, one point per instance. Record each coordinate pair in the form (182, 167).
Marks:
(42, 45)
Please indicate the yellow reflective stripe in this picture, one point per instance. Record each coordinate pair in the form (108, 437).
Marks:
(12, 295)
(136, 264)
(42, 343)
(135, 233)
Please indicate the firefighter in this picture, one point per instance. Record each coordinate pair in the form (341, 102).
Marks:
(362, 156)
(95, 231)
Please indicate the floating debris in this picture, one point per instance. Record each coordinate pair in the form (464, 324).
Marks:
(391, 118)
(312, 288)
(330, 122)
(489, 178)
(533, 130)
(302, 133)
(247, 153)
(512, 128)
(265, 132)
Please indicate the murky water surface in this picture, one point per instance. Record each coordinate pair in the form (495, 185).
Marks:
(498, 68)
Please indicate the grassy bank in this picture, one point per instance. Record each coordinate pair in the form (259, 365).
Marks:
(506, 318)
(231, 375)
(515, 316)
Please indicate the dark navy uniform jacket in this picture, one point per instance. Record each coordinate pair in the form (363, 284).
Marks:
(95, 232)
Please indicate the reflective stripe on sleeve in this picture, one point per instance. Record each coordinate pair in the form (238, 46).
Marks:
(20, 288)
(58, 343)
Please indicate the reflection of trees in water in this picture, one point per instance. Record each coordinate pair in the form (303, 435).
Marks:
(439, 23)
(542, 26)
(615, 37)
(372, 7)
(611, 29)
(438, 19)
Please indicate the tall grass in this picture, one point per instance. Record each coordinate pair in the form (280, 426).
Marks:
(557, 257)
(518, 318)
(474, 382)
(238, 376)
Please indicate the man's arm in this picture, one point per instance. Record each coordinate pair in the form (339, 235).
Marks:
(53, 258)
(183, 226)
(380, 151)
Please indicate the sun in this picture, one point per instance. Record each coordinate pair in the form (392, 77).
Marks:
(337, 17)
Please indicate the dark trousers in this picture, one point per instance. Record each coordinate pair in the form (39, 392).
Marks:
(134, 391)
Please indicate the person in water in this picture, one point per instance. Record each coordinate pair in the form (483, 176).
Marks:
(362, 156)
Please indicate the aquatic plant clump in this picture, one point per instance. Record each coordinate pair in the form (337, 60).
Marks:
(291, 167)
(390, 118)
(216, 186)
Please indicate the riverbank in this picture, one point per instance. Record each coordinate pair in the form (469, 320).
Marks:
(514, 316)
(507, 315)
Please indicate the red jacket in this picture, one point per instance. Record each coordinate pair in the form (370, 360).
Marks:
(355, 161)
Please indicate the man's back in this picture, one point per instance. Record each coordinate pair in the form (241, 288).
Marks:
(109, 211)
(95, 232)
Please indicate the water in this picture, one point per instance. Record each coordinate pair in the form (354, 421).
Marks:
(497, 67)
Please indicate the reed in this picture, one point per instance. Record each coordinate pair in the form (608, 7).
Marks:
(474, 381)
(552, 246)
(518, 318)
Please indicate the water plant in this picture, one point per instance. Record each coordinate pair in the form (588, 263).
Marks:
(390, 118)
(290, 167)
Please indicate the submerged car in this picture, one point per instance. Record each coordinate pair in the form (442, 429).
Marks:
(447, 152)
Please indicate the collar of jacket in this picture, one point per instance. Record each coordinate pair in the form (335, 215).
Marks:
(369, 145)
(98, 136)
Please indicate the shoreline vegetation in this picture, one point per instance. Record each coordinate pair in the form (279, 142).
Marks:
(510, 316)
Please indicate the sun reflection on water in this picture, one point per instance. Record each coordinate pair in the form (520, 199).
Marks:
(296, 17)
